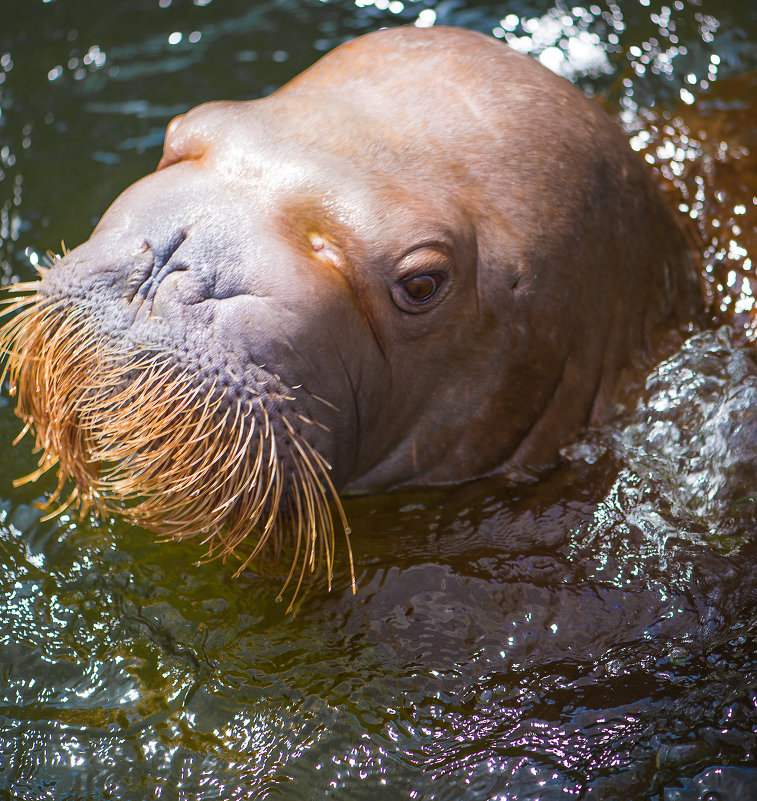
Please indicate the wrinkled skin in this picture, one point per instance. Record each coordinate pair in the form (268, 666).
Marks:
(274, 244)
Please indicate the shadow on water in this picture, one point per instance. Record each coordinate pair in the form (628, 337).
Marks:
(589, 636)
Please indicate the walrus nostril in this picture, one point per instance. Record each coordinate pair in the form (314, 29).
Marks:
(164, 252)
(149, 268)
(139, 272)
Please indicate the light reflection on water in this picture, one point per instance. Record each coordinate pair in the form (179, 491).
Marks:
(591, 636)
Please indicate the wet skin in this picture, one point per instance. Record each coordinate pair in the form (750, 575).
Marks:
(428, 250)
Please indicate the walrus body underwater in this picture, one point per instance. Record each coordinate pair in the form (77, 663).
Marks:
(423, 260)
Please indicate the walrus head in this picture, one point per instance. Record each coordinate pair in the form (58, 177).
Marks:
(423, 260)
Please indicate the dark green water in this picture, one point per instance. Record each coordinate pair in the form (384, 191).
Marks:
(589, 637)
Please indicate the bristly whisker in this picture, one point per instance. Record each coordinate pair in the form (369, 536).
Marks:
(325, 402)
(142, 436)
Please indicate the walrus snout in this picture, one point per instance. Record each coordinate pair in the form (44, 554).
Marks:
(181, 441)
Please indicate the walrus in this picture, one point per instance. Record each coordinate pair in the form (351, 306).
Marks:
(423, 260)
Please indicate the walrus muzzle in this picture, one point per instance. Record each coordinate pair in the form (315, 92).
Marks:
(143, 436)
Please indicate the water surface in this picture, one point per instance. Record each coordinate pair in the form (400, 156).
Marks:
(591, 636)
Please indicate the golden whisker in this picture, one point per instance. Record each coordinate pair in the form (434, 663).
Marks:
(325, 402)
(35, 475)
(24, 431)
(141, 435)
(325, 468)
(62, 508)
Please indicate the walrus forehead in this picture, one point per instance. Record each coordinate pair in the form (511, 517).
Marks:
(265, 157)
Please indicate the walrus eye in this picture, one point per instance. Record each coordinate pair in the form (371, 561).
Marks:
(421, 287)
(414, 293)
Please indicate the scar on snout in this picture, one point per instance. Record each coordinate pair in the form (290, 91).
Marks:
(325, 248)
